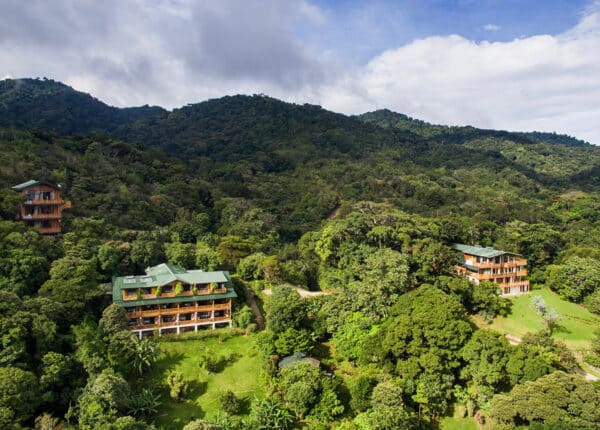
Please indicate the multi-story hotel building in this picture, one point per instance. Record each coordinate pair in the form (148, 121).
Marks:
(43, 206)
(506, 269)
(170, 299)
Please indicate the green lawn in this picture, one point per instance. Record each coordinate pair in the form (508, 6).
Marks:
(240, 376)
(576, 328)
(466, 423)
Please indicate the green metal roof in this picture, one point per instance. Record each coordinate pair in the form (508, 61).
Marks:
(31, 183)
(164, 274)
(480, 251)
(297, 357)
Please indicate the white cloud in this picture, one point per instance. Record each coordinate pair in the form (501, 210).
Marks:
(491, 27)
(549, 83)
(173, 52)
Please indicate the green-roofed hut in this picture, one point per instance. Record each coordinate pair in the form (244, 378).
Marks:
(298, 357)
(507, 269)
(171, 299)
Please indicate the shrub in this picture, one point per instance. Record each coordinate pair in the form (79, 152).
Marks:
(230, 404)
(177, 385)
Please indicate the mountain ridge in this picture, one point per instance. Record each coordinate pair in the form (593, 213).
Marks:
(39, 103)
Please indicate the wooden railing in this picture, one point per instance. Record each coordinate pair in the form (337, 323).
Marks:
(26, 217)
(482, 265)
(498, 275)
(514, 284)
(46, 202)
(172, 294)
(48, 229)
(179, 323)
(180, 310)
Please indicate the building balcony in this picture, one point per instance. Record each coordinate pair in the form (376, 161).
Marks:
(48, 230)
(519, 262)
(180, 310)
(38, 202)
(191, 322)
(172, 294)
(492, 276)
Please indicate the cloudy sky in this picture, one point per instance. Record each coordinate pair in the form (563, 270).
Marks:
(508, 64)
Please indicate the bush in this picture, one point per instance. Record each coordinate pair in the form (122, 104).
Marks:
(230, 404)
(592, 359)
(177, 385)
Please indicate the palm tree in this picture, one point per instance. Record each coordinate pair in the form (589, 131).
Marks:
(145, 354)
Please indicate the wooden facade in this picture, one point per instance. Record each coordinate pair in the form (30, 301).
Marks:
(43, 206)
(169, 299)
(506, 269)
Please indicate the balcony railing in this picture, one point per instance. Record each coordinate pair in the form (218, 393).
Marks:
(46, 202)
(180, 310)
(180, 323)
(48, 230)
(172, 294)
(482, 276)
(516, 263)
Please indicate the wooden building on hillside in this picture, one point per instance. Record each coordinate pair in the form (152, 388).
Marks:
(170, 299)
(506, 269)
(43, 206)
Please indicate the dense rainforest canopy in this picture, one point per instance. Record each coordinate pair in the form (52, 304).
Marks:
(363, 207)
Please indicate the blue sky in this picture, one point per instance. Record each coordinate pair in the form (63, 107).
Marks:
(358, 30)
(504, 64)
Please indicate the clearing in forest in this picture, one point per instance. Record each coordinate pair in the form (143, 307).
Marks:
(576, 329)
(240, 375)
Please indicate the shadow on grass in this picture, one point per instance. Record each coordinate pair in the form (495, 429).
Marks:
(196, 389)
(245, 406)
(168, 360)
(559, 328)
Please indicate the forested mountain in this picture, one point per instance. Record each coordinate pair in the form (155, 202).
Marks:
(53, 106)
(363, 207)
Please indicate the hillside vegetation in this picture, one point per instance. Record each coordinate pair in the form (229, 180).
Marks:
(363, 207)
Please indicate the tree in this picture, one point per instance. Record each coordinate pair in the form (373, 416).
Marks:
(19, 393)
(486, 355)
(555, 399)
(575, 279)
(301, 384)
(113, 320)
(286, 310)
(181, 254)
(292, 340)
(206, 257)
(269, 414)
(250, 267)
(73, 281)
(349, 336)
(550, 316)
(426, 324)
(145, 354)
(104, 398)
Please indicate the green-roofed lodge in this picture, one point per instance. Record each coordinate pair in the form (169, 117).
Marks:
(171, 299)
(506, 269)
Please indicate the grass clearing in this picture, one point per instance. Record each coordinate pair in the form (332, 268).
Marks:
(451, 423)
(240, 376)
(576, 328)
